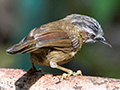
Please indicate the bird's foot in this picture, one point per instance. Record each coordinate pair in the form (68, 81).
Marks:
(71, 73)
(32, 70)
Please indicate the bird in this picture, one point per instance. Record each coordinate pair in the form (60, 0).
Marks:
(57, 42)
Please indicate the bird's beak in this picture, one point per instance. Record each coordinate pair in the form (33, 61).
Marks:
(104, 40)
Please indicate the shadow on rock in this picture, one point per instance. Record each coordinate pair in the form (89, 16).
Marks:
(27, 80)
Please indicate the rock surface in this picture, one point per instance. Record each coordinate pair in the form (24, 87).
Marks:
(16, 79)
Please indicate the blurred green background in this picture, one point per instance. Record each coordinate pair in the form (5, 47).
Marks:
(18, 17)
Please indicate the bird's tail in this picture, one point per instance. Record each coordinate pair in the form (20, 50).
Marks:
(22, 47)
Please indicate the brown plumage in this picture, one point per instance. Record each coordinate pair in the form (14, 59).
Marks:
(58, 42)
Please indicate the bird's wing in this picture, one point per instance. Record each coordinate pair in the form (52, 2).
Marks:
(52, 37)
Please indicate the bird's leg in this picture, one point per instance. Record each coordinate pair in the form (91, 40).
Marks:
(33, 69)
(69, 72)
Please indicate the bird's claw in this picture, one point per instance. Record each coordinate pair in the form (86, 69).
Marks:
(71, 73)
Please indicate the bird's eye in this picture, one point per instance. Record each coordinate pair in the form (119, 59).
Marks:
(92, 36)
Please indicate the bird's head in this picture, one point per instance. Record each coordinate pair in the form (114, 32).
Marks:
(91, 26)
